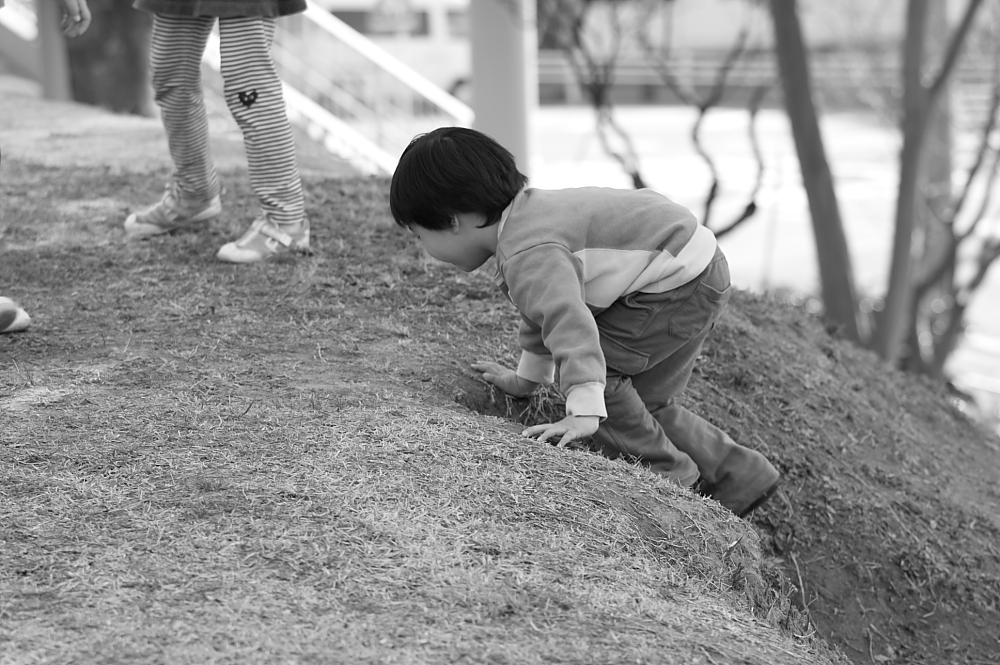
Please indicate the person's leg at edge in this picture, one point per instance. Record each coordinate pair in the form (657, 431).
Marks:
(631, 431)
(192, 195)
(176, 49)
(737, 476)
(254, 95)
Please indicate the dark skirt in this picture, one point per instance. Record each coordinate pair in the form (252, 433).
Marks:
(222, 8)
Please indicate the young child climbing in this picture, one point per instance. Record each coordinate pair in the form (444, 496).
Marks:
(253, 94)
(617, 291)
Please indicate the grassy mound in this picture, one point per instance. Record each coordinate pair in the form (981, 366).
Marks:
(213, 463)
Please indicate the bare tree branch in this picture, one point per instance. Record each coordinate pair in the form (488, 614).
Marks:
(722, 75)
(755, 101)
(946, 324)
(946, 340)
(989, 253)
(989, 125)
(666, 74)
(984, 205)
(937, 273)
(627, 158)
(713, 190)
(985, 152)
(954, 48)
(596, 75)
(704, 103)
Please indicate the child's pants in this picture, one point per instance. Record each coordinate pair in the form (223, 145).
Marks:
(253, 93)
(650, 343)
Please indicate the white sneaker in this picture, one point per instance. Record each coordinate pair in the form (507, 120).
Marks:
(12, 317)
(264, 239)
(172, 212)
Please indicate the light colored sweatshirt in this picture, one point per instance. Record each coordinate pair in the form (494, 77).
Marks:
(564, 256)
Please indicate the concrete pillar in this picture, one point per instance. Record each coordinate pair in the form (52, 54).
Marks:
(504, 39)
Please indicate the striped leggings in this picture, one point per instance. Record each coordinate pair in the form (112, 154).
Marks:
(253, 93)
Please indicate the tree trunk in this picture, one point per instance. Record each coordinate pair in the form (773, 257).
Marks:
(836, 273)
(109, 62)
(892, 325)
(935, 237)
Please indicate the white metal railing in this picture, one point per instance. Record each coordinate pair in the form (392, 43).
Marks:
(389, 63)
(322, 126)
(337, 136)
(364, 99)
(352, 96)
(18, 38)
(349, 94)
(20, 20)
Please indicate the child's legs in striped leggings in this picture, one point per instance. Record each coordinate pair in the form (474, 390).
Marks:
(175, 60)
(253, 93)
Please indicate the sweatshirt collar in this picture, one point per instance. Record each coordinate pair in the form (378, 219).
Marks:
(506, 211)
(497, 277)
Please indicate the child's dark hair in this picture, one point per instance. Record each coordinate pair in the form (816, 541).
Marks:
(453, 170)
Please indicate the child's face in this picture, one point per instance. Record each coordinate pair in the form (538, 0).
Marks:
(465, 244)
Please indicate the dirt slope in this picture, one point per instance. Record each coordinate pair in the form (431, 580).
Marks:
(893, 516)
(890, 520)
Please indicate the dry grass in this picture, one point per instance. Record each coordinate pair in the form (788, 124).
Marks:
(285, 463)
(266, 464)
(391, 532)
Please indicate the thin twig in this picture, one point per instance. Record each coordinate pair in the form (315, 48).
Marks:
(802, 586)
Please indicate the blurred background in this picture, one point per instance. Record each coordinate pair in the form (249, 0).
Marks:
(845, 153)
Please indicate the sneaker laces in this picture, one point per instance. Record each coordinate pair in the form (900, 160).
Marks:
(171, 200)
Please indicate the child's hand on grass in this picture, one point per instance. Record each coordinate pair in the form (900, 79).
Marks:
(505, 379)
(568, 429)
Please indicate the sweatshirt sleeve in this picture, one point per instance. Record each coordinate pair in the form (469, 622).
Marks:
(536, 361)
(546, 284)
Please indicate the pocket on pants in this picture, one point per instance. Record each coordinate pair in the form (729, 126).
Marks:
(704, 306)
(626, 318)
(621, 358)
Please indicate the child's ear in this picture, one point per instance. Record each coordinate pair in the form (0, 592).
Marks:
(454, 224)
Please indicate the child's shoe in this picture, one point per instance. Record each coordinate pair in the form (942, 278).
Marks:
(264, 239)
(12, 317)
(744, 483)
(172, 212)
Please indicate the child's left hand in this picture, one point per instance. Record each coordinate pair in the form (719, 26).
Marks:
(76, 17)
(568, 429)
(505, 379)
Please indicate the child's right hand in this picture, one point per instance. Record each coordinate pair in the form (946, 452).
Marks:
(505, 379)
